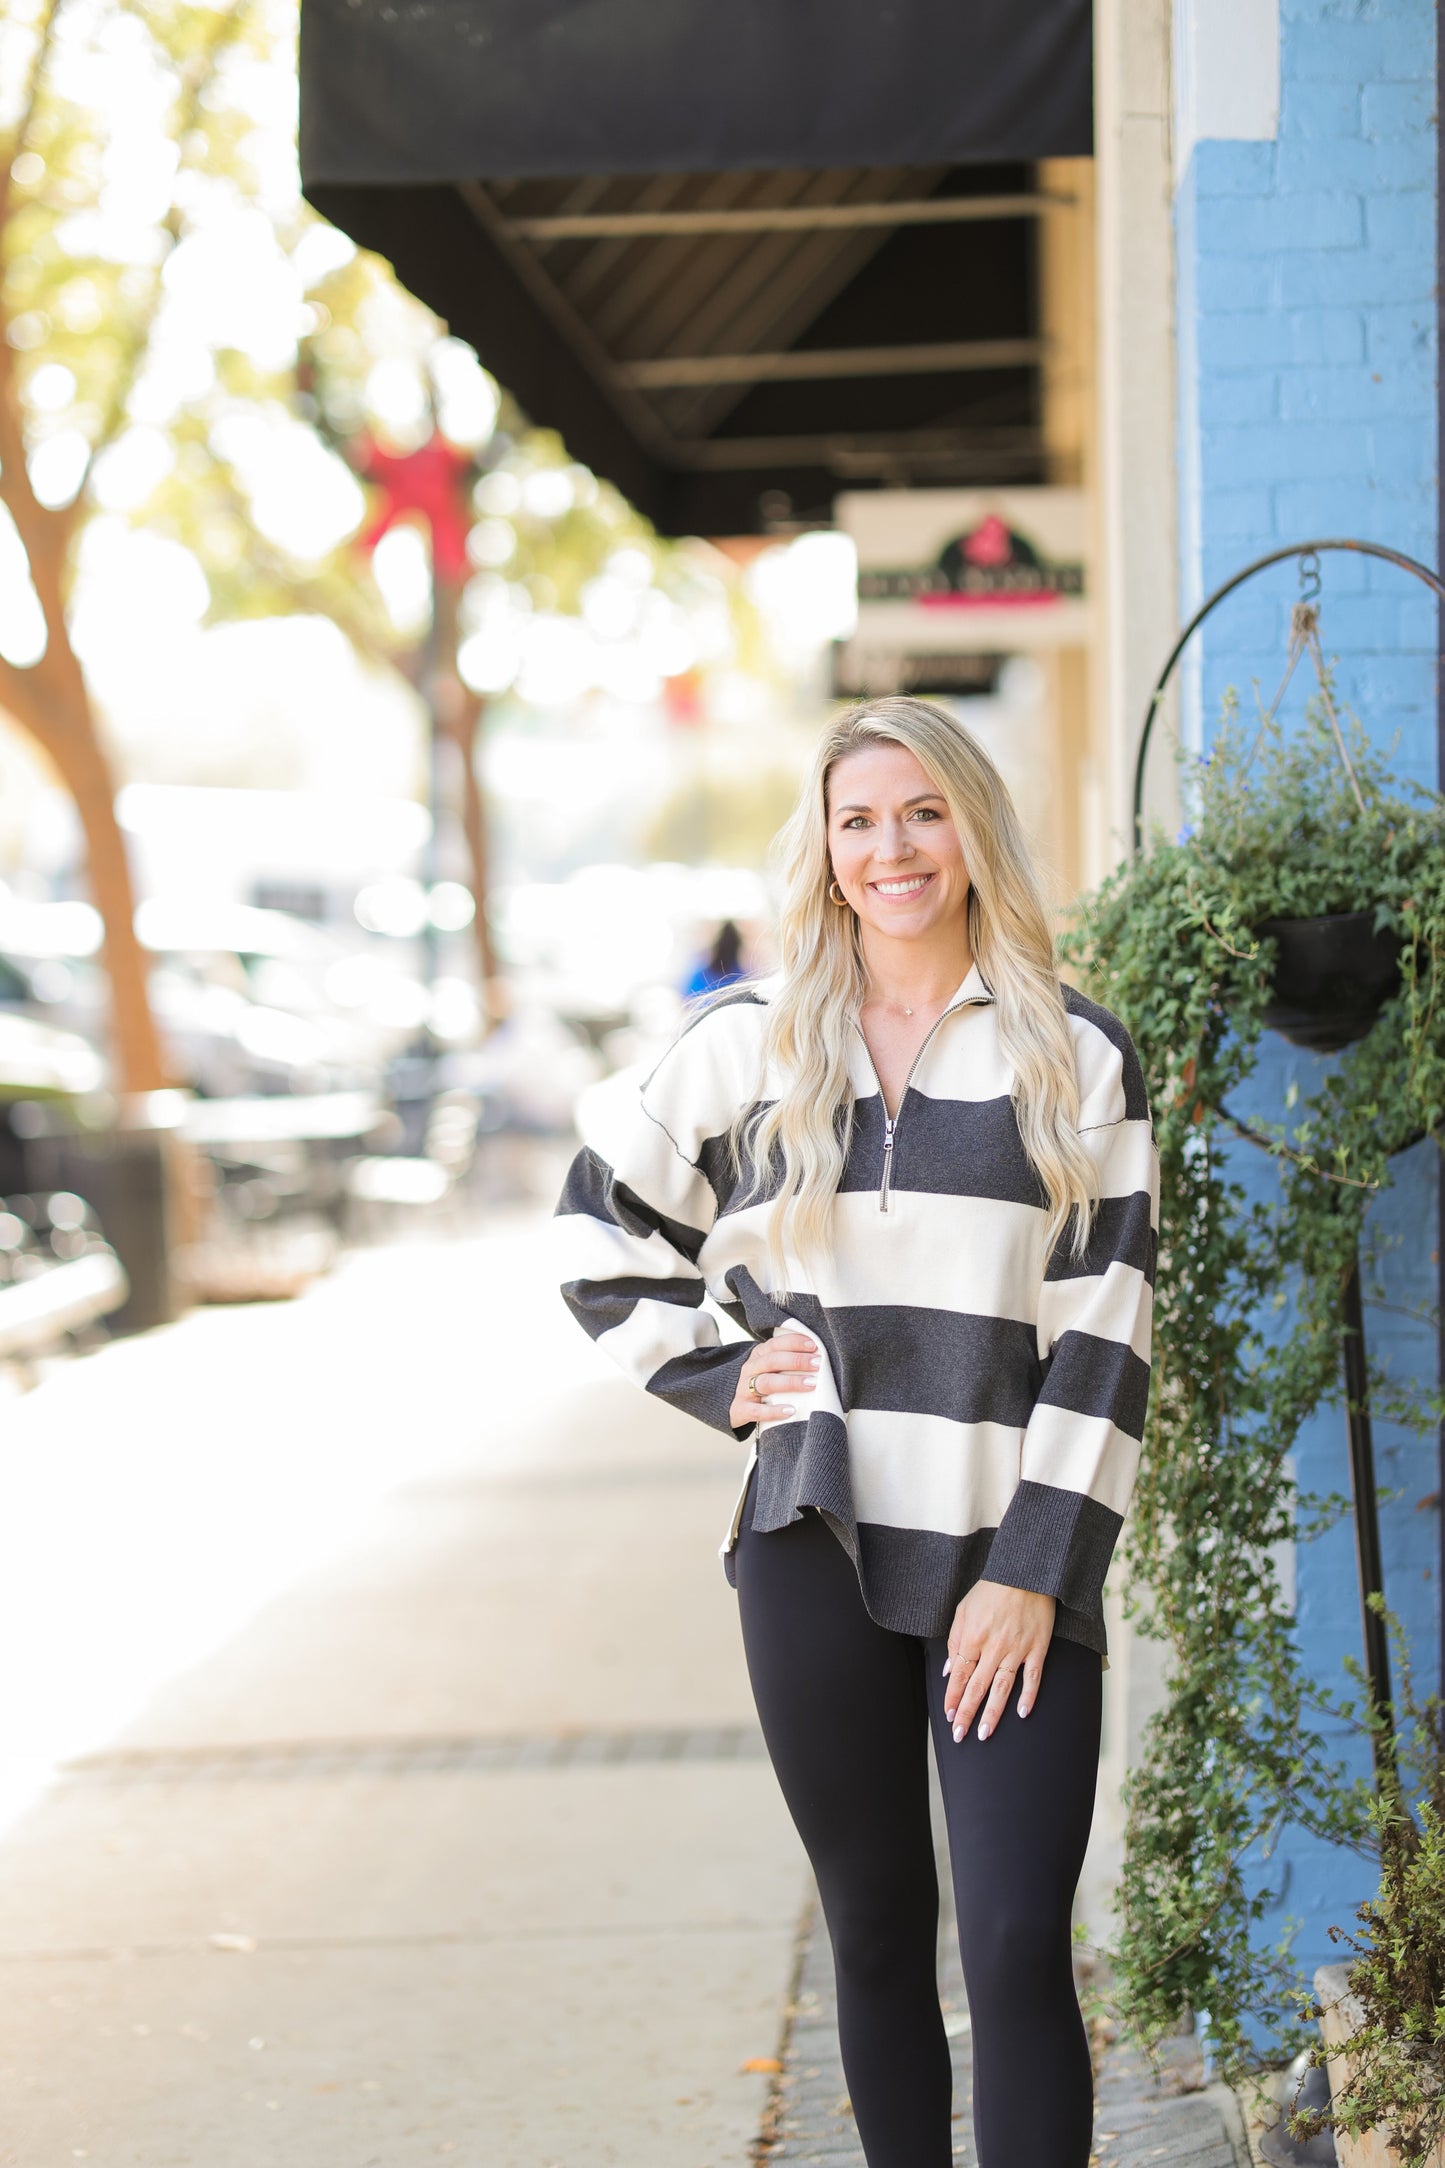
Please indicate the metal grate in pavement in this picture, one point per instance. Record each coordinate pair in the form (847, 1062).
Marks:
(463, 1754)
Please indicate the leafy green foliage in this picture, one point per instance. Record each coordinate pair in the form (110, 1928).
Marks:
(1246, 1331)
(1396, 2058)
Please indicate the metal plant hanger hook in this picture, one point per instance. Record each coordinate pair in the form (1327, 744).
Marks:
(1308, 556)
(1304, 639)
(1309, 575)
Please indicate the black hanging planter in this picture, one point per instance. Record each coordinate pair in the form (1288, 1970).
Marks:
(1332, 974)
(1332, 977)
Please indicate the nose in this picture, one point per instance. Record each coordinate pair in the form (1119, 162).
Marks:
(894, 842)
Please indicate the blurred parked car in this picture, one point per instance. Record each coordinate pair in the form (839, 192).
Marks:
(39, 1060)
(253, 1000)
(246, 1000)
(526, 1074)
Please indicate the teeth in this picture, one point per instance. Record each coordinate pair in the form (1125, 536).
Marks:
(903, 888)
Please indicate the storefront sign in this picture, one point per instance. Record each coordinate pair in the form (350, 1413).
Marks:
(945, 572)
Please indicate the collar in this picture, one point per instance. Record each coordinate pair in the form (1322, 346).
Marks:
(974, 987)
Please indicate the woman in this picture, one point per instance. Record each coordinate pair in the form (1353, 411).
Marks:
(920, 1174)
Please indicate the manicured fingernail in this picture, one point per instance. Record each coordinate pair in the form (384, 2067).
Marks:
(983, 1731)
(1023, 1708)
(958, 1731)
(947, 1665)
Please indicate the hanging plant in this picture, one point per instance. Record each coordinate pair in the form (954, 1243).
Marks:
(1185, 943)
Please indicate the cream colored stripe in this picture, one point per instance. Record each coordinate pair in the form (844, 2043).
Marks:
(641, 1153)
(923, 1471)
(594, 1249)
(1113, 1305)
(1126, 1159)
(969, 1254)
(1084, 1453)
(653, 1333)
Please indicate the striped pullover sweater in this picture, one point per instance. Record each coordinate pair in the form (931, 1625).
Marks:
(979, 1405)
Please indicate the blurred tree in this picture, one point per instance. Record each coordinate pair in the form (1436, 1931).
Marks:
(189, 355)
(76, 322)
(140, 139)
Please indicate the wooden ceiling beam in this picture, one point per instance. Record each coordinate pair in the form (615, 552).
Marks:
(938, 357)
(791, 218)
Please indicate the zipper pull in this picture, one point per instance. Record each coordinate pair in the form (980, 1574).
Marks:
(887, 1164)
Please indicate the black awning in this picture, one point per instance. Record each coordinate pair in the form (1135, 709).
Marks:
(738, 255)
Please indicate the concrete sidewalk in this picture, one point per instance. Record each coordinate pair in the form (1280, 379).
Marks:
(454, 1841)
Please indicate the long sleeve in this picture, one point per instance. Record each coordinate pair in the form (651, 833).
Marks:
(632, 1219)
(1082, 1442)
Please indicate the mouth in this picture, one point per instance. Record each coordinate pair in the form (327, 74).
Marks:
(904, 889)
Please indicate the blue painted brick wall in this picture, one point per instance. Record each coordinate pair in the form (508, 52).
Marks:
(1307, 407)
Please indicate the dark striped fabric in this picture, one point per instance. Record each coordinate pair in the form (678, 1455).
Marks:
(980, 1404)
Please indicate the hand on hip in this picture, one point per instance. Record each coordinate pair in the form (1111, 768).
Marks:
(787, 1363)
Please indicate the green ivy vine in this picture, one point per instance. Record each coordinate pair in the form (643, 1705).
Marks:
(1394, 2074)
(1246, 1329)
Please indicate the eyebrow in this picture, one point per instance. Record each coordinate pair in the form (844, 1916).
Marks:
(922, 796)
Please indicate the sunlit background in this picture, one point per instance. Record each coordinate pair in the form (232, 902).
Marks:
(378, 981)
(430, 782)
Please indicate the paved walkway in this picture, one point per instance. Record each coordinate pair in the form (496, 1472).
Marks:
(451, 1839)
(381, 1785)
(1143, 2122)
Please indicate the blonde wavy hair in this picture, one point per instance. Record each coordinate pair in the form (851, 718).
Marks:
(800, 1139)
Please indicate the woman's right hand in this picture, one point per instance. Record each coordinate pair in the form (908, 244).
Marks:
(787, 1363)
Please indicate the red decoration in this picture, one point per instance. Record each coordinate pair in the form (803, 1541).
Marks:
(990, 544)
(682, 700)
(430, 482)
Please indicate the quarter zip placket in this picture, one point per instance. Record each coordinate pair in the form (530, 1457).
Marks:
(891, 1121)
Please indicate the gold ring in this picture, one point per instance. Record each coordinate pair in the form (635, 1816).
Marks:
(753, 1385)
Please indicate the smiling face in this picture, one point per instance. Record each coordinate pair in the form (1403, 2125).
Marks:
(897, 856)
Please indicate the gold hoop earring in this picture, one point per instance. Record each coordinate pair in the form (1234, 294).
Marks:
(838, 898)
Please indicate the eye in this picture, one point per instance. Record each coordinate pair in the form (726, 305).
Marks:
(927, 813)
(856, 820)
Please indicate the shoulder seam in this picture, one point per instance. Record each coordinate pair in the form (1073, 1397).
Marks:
(1086, 1129)
(660, 1124)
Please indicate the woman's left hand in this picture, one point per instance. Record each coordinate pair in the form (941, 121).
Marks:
(997, 1633)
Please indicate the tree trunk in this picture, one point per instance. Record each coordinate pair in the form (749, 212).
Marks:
(458, 712)
(52, 706)
(138, 1060)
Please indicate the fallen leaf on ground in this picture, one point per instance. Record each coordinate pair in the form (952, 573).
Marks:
(762, 2062)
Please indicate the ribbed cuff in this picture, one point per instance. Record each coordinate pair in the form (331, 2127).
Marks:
(703, 1384)
(1057, 1542)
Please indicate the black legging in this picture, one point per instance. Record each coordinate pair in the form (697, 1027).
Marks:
(845, 1706)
